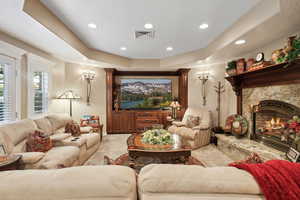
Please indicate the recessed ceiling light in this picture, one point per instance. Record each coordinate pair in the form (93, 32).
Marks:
(123, 48)
(148, 26)
(92, 25)
(169, 48)
(239, 42)
(203, 26)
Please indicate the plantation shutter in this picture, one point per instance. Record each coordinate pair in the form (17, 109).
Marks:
(7, 90)
(40, 92)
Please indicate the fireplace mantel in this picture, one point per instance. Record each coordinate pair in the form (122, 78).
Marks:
(279, 74)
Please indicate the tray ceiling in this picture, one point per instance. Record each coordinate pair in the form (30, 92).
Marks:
(176, 23)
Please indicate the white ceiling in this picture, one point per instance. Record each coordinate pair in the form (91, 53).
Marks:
(176, 23)
(21, 26)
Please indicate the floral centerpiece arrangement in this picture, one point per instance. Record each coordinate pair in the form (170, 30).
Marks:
(157, 137)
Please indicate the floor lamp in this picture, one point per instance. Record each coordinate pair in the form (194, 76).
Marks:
(69, 94)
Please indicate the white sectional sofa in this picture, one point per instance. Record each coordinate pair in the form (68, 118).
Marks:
(65, 153)
(80, 183)
(155, 182)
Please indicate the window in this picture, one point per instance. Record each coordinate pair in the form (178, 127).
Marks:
(40, 92)
(7, 90)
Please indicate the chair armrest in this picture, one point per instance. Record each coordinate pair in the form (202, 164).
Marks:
(203, 126)
(31, 157)
(178, 124)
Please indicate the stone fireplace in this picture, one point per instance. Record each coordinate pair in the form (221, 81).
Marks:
(276, 105)
(276, 91)
(269, 123)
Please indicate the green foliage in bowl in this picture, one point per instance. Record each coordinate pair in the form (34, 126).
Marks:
(157, 136)
(231, 65)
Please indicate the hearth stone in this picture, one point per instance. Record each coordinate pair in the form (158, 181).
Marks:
(239, 149)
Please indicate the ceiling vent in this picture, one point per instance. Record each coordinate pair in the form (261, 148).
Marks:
(144, 35)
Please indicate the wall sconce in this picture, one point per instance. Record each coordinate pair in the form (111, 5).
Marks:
(203, 77)
(88, 76)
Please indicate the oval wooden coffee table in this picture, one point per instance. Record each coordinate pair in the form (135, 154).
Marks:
(175, 153)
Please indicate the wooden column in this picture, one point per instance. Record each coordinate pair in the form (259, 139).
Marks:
(109, 98)
(183, 87)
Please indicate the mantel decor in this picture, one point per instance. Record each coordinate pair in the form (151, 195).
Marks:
(278, 74)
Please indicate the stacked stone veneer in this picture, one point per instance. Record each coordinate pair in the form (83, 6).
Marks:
(252, 96)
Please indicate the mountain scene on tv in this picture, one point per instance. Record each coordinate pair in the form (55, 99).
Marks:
(146, 93)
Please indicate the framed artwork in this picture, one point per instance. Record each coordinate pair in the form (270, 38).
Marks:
(2, 150)
(293, 155)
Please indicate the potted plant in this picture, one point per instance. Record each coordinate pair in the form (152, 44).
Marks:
(231, 68)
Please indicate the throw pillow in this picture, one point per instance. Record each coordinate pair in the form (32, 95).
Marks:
(73, 128)
(38, 142)
(192, 121)
(254, 158)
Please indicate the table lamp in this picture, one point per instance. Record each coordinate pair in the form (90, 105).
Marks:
(69, 94)
(175, 106)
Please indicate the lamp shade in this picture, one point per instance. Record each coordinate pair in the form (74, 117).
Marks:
(69, 94)
(175, 104)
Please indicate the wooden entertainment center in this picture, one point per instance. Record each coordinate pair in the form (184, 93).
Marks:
(132, 121)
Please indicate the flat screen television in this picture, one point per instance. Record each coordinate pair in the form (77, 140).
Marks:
(145, 93)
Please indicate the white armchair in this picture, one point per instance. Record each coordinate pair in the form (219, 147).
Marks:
(197, 136)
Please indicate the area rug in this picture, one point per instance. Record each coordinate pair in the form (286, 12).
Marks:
(140, 162)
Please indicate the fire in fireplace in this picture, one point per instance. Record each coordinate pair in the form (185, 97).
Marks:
(271, 124)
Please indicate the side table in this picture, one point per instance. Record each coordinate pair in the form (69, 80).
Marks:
(12, 163)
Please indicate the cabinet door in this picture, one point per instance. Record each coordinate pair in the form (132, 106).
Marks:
(116, 123)
(127, 122)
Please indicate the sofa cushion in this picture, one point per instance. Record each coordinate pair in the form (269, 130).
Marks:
(70, 141)
(31, 157)
(44, 125)
(59, 131)
(86, 183)
(58, 121)
(196, 179)
(92, 139)
(86, 129)
(59, 137)
(38, 142)
(73, 128)
(58, 157)
(19, 131)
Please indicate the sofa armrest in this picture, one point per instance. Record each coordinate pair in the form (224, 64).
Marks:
(31, 157)
(178, 124)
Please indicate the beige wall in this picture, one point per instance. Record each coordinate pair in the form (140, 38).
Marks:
(228, 100)
(67, 76)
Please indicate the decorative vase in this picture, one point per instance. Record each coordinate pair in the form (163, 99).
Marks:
(250, 62)
(241, 63)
